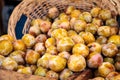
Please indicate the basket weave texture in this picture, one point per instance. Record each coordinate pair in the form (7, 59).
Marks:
(38, 9)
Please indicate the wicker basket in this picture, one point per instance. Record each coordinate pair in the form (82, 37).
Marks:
(39, 8)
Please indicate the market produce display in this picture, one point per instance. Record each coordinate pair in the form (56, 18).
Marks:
(63, 44)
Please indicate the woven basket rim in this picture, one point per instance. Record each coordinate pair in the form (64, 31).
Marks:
(26, 7)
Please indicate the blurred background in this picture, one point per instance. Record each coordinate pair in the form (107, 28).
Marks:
(6, 8)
